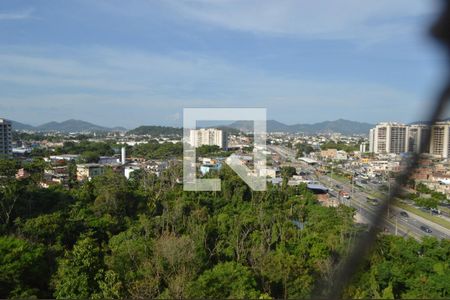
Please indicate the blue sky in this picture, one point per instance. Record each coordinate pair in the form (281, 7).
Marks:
(128, 63)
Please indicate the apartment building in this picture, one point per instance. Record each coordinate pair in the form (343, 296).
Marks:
(208, 136)
(89, 171)
(416, 137)
(372, 140)
(388, 138)
(440, 143)
(5, 137)
(399, 138)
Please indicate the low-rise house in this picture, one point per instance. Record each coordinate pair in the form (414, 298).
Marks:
(268, 172)
(107, 160)
(22, 174)
(204, 169)
(334, 154)
(89, 171)
(130, 169)
(65, 157)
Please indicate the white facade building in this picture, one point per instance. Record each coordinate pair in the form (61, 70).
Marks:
(362, 148)
(372, 140)
(388, 138)
(209, 136)
(395, 138)
(440, 142)
(415, 138)
(130, 169)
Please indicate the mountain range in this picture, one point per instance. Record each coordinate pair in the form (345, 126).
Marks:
(342, 126)
(338, 126)
(65, 126)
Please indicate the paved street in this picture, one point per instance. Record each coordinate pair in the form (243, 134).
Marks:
(394, 222)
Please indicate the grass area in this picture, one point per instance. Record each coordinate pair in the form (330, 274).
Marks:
(444, 209)
(423, 214)
(340, 178)
(377, 195)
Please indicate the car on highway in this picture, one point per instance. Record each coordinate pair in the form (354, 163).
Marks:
(373, 201)
(404, 214)
(426, 229)
(338, 186)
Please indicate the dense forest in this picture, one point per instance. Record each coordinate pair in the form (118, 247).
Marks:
(147, 238)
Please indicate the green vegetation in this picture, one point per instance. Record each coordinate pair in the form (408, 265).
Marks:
(100, 148)
(427, 198)
(207, 150)
(229, 280)
(339, 146)
(428, 203)
(22, 136)
(155, 150)
(156, 131)
(90, 151)
(424, 215)
(287, 172)
(114, 238)
(404, 269)
(338, 175)
(303, 149)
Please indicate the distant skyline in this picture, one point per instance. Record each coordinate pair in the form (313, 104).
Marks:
(139, 63)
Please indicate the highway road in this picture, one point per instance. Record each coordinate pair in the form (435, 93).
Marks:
(394, 223)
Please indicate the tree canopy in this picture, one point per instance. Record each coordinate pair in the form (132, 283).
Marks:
(147, 238)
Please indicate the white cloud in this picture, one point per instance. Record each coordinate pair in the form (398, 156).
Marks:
(337, 19)
(121, 81)
(16, 15)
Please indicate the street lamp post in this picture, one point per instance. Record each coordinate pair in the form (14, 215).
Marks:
(396, 225)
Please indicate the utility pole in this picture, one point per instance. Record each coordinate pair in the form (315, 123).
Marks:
(331, 175)
(352, 184)
(389, 186)
(396, 225)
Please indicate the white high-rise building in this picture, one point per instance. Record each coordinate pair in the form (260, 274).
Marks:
(5, 138)
(398, 138)
(362, 148)
(371, 140)
(209, 136)
(388, 138)
(123, 155)
(415, 138)
(440, 141)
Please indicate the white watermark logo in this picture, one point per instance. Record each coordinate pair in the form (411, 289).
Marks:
(254, 177)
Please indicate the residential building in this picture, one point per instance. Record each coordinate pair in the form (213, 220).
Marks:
(130, 169)
(389, 138)
(372, 140)
(22, 174)
(65, 157)
(395, 138)
(109, 160)
(362, 148)
(204, 169)
(268, 172)
(334, 154)
(89, 171)
(208, 136)
(328, 154)
(5, 138)
(416, 137)
(440, 142)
